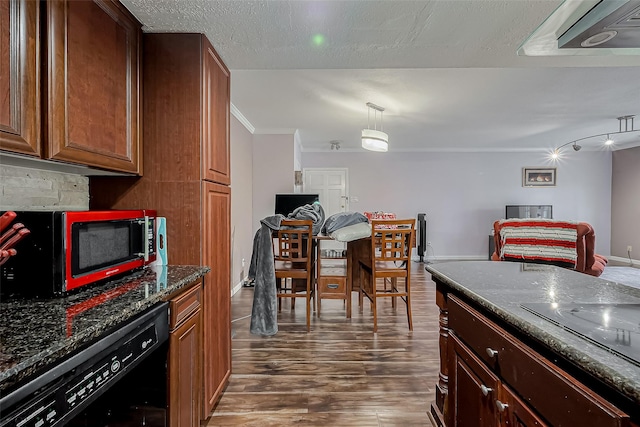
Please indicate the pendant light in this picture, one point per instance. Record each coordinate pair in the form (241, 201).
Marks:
(374, 139)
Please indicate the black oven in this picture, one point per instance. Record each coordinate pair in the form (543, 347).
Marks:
(70, 392)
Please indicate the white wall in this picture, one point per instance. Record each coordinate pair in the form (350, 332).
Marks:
(625, 199)
(273, 163)
(464, 193)
(241, 200)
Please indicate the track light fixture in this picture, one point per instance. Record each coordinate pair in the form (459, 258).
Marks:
(628, 128)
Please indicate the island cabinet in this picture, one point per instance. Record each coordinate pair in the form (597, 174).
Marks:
(186, 176)
(489, 377)
(82, 66)
(185, 348)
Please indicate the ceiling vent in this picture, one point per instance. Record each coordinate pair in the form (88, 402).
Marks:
(609, 24)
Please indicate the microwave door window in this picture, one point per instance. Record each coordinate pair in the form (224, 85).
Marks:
(104, 244)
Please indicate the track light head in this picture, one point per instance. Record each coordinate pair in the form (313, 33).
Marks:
(576, 147)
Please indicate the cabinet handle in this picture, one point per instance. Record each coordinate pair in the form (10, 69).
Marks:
(485, 390)
(491, 352)
(501, 406)
(333, 286)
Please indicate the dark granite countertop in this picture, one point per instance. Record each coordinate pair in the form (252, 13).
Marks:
(34, 333)
(500, 287)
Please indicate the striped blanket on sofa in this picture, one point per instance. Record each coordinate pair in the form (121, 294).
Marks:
(539, 240)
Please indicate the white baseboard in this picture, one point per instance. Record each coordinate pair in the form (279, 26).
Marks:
(236, 288)
(450, 258)
(634, 262)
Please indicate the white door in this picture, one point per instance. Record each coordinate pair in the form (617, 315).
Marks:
(331, 186)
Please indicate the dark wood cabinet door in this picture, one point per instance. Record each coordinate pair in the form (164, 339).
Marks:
(20, 76)
(92, 107)
(216, 109)
(516, 413)
(184, 373)
(473, 388)
(216, 241)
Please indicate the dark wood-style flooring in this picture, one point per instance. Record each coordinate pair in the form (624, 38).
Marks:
(340, 373)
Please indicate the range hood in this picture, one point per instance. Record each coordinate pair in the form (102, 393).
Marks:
(587, 28)
(610, 24)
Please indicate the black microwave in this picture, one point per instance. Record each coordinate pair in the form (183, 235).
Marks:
(66, 250)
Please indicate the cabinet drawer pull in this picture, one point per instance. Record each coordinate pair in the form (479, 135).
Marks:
(485, 390)
(491, 352)
(501, 406)
(333, 286)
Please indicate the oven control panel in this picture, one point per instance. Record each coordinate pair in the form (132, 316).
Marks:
(108, 369)
(57, 402)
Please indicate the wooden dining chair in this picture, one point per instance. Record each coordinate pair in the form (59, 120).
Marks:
(293, 259)
(388, 273)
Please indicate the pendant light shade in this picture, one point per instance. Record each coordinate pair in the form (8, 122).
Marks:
(374, 139)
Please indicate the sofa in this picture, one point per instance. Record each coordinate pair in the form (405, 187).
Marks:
(548, 241)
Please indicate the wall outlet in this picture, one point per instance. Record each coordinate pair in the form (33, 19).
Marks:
(629, 248)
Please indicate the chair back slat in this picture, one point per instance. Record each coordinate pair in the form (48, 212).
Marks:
(391, 239)
(293, 241)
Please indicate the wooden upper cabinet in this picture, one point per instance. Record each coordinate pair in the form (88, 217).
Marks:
(92, 83)
(20, 76)
(216, 95)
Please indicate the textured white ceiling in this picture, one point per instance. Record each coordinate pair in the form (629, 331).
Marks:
(446, 71)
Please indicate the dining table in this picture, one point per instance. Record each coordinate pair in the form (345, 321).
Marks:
(359, 252)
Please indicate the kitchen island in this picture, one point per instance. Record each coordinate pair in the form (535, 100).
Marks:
(38, 333)
(502, 364)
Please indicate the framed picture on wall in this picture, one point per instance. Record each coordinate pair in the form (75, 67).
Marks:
(538, 177)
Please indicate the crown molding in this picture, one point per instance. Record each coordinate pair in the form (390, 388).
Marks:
(242, 119)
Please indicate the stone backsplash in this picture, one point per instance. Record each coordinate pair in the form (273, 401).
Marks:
(34, 189)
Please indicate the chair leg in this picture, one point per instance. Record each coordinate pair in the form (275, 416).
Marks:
(408, 290)
(394, 289)
(308, 308)
(361, 285)
(375, 311)
(279, 298)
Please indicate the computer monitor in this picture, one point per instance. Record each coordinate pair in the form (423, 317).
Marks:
(287, 203)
